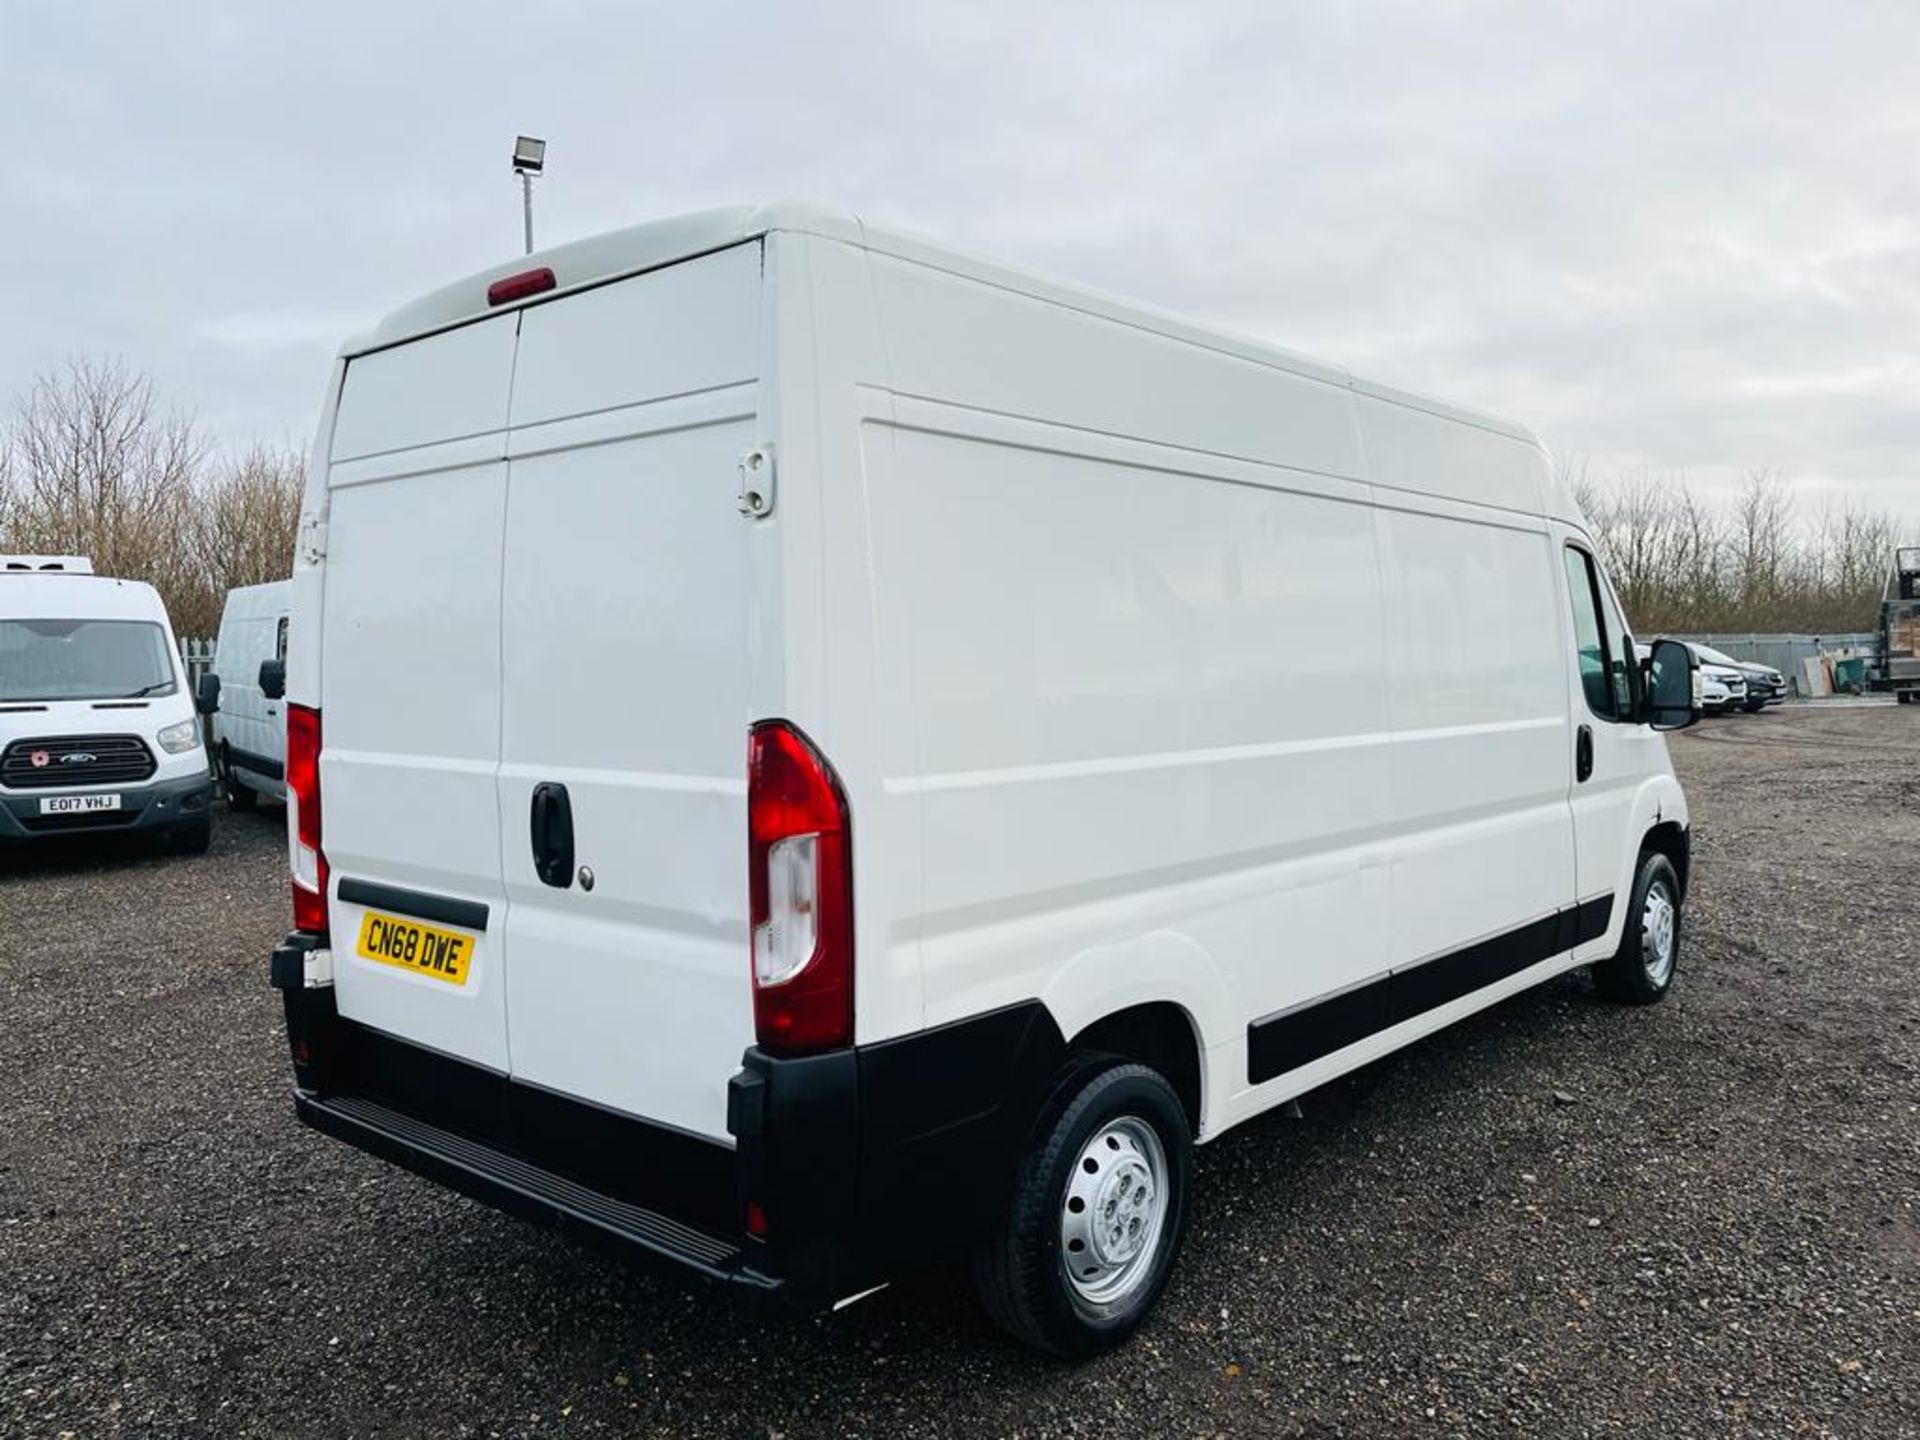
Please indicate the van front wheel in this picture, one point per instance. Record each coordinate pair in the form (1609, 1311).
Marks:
(1640, 972)
(1096, 1216)
(191, 837)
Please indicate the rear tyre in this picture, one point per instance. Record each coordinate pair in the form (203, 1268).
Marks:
(1096, 1216)
(191, 837)
(1641, 971)
(239, 796)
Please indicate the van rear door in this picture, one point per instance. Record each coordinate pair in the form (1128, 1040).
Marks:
(410, 687)
(625, 638)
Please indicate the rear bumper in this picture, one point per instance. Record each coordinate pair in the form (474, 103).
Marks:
(857, 1164)
(509, 1183)
(148, 805)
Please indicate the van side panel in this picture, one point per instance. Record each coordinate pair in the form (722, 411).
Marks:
(249, 729)
(1112, 739)
(1150, 719)
(1482, 752)
(967, 343)
(844, 667)
(1415, 451)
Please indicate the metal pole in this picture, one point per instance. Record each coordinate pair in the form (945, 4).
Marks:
(526, 198)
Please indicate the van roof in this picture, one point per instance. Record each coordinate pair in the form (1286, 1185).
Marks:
(27, 595)
(616, 253)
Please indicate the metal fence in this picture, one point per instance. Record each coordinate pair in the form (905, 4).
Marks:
(196, 653)
(1786, 653)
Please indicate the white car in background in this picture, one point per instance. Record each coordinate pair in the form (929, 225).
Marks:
(1762, 684)
(1725, 686)
(1722, 687)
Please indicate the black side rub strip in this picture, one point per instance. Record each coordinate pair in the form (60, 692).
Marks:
(1297, 1037)
(467, 914)
(259, 764)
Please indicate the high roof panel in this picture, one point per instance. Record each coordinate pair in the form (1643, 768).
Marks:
(636, 248)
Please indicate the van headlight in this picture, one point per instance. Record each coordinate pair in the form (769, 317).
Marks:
(180, 738)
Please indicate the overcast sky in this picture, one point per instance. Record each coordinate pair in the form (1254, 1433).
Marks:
(1678, 236)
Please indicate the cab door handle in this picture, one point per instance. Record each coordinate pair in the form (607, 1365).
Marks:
(1583, 753)
(550, 823)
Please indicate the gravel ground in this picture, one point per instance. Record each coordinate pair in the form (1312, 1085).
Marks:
(1559, 1218)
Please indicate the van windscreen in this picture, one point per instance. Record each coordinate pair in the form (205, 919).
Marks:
(83, 660)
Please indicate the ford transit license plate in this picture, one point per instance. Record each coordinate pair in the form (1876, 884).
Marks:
(78, 804)
(409, 945)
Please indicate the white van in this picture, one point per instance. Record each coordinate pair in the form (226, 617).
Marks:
(243, 693)
(810, 755)
(97, 732)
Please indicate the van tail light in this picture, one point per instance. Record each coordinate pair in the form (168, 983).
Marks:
(519, 287)
(800, 889)
(309, 862)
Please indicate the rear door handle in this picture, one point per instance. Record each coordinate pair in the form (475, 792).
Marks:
(1583, 753)
(550, 823)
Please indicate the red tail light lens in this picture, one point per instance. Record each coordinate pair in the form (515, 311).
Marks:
(800, 888)
(309, 862)
(519, 287)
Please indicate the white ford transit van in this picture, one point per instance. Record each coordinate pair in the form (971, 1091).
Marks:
(810, 755)
(244, 691)
(97, 732)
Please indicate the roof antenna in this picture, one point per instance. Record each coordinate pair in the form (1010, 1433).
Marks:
(529, 160)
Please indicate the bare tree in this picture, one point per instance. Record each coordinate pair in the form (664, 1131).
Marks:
(1685, 565)
(1763, 545)
(242, 529)
(93, 465)
(6, 491)
(1851, 549)
(97, 468)
(1699, 596)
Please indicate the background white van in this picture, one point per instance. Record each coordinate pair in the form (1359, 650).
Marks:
(97, 732)
(810, 754)
(249, 728)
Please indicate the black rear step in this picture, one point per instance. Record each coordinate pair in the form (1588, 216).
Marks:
(520, 1188)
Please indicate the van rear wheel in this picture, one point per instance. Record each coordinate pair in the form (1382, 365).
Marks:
(1641, 971)
(239, 797)
(1097, 1213)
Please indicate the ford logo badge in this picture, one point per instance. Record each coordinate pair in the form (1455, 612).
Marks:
(79, 757)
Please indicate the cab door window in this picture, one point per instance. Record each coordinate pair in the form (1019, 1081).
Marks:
(1623, 665)
(1603, 647)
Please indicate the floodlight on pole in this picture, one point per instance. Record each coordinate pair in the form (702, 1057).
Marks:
(529, 160)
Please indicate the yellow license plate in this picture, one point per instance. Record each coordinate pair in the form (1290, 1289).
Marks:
(409, 945)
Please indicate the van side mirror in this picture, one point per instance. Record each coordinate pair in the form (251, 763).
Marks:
(207, 698)
(273, 678)
(1673, 686)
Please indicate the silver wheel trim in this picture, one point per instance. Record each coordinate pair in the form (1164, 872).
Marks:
(1114, 1213)
(1659, 933)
